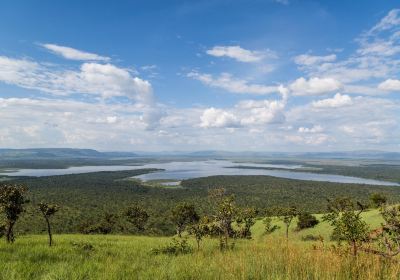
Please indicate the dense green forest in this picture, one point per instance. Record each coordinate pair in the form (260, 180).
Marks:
(88, 199)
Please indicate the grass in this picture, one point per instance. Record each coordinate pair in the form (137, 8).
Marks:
(129, 257)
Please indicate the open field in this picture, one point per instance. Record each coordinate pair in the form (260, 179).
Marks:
(129, 257)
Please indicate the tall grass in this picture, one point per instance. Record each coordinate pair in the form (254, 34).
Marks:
(129, 257)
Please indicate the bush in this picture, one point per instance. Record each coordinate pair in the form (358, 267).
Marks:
(269, 227)
(306, 220)
(310, 237)
(176, 247)
(83, 246)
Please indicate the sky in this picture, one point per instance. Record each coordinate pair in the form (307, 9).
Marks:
(244, 75)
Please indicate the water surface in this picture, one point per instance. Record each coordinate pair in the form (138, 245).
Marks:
(177, 171)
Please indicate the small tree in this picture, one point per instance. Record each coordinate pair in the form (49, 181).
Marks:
(286, 215)
(345, 218)
(12, 200)
(47, 211)
(183, 215)
(378, 199)
(306, 220)
(200, 229)
(225, 212)
(245, 220)
(388, 235)
(137, 216)
(268, 226)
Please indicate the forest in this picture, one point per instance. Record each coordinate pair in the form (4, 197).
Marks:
(86, 199)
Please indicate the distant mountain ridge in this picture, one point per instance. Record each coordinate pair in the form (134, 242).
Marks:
(44, 153)
(64, 153)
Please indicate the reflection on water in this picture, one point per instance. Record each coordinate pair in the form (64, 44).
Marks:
(176, 171)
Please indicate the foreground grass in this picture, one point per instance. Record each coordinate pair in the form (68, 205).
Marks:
(124, 257)
(129, 257)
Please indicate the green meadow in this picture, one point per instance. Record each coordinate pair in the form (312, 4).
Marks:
(77, 256)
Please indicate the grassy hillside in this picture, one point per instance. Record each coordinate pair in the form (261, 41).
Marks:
(129, 257)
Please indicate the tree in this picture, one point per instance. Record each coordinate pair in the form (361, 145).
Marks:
(388, 235)
(105, 226)
(12, 202)
(225, 212)
(268, 226)
(245, 220)
(286, 215)
(306, 220)
(48, 210)
(378, 199)
(200, 229)
(345, 218)
(137, 216)
(183, 215)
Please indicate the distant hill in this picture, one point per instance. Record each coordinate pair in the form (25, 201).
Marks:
(68, 153)
(60, 153)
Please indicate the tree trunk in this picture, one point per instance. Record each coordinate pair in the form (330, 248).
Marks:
(287, 232)
(10, 233)
(49, 232)
(354, 248)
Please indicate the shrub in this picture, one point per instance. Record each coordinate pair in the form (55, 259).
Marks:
(310, 237)
(378, 199)
(83, 246)
(269, 227)
(176, 247)
(306, 220)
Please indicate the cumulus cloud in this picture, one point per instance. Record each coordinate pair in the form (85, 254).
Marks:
(240, 54)
(65, 122)
(390, 85)
(314, 86)
(259, 112)
(306, 59)
(212, 117)
(74, 54)
(247, 113)
(338, 100)
(103, 80)
(227, 82)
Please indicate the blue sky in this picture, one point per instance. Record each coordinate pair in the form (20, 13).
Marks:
(278, 75)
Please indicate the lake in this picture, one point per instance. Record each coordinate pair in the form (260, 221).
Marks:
(176, 171)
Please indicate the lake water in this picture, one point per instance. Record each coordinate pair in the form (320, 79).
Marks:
(176, 171)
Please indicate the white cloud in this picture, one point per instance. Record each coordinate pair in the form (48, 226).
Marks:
(103, 80)
(312, 140)
(390, 85)
(391, 20)
(259, 112)
(314, 129)
(338, 100)
(240, 54)
(375, 58)
(247, 113)
(314, 86)
(212, 117)
(306, 59)
(74, 54)
(226, 82)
